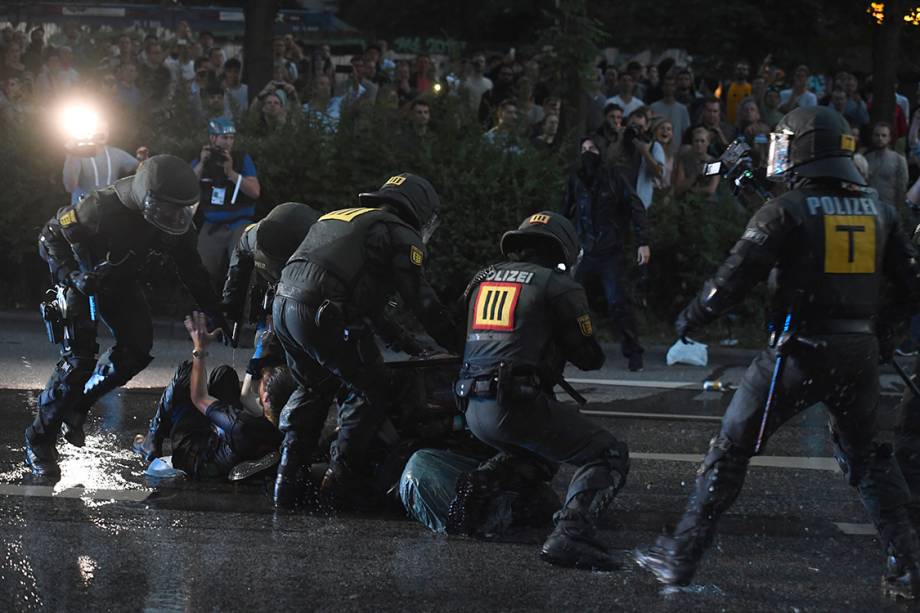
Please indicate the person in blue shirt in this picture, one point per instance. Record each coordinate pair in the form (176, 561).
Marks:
(229, 192)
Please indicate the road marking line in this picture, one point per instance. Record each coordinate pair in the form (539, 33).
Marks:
(681, 385)
(46, 491)
(668, 385)
(796, 462)
(856, 529)
(651, 415)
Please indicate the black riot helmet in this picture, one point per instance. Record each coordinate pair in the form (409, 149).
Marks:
(548, 233)
(279, 235)
(414, 198)
(813, 142)
(164, 189)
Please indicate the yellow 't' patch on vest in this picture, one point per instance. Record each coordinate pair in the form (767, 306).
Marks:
(495, 306)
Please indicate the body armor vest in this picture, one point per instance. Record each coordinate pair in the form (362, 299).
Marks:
(508, 319)
(336, 242)
(837, 259)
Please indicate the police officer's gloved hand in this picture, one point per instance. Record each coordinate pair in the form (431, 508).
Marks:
(86, 283)
(686, 320)
(216, 321)
(886, 347)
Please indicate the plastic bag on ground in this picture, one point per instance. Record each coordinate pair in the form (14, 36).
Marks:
(692, 352)
(162, 468)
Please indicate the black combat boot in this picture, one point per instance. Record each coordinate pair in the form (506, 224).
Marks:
(902, 563)
(41, 449)
(573, 542)
(73, 429)
(674, 559)
(347, 489)
(289, 478)
(490, 498)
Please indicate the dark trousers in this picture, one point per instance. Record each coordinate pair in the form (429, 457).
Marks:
(610, 270)
(78, 381)
(321, 364)
(544, 429)
(844, 376)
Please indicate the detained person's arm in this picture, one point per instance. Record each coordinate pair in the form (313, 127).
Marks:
(197, 326)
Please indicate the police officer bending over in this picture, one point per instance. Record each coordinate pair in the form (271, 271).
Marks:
(334, 284)
(264, 247)
(526, 319)
(828, 246)
(94, 250)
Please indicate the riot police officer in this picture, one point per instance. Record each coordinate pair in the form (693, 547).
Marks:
(94, 250)
(828, 246)
(526, 319)
(334, 284)
(264, 247)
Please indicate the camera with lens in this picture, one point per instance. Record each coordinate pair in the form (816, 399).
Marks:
(214, 165)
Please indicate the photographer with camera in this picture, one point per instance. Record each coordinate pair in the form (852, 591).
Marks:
(229, 191)
(92, 164)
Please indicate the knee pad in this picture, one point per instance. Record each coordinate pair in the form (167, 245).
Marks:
(114, 369)
(68, 379)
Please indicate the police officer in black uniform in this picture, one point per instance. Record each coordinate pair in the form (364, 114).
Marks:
(337, 281)
(94, 250)
(526, 319)
(827, 246)
(264, 247)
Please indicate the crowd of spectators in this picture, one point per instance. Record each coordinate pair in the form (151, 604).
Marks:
(658, 124)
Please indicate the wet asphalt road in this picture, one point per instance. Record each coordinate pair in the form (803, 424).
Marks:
(106, 538)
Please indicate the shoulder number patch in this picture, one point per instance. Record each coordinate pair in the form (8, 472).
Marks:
(396, 180)
(584, 324)
(346, 215)
(495, 304)
(68, 219)
(415, 255)
(539, 218)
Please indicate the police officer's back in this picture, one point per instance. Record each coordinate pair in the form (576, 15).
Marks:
(527, 317)
(827, 246)
(333, 287)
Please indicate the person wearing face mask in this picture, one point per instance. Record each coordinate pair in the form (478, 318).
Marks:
(602, 204)
(329, 297)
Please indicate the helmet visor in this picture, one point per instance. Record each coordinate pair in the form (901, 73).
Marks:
(778, 159)
(170, 217)
(429, 228)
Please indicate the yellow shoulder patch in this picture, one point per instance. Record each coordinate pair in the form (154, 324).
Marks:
(346, 215)
(584, 324)
(415, 255)
(68, 219)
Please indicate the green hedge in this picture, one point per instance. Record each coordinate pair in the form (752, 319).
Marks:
(484, 189)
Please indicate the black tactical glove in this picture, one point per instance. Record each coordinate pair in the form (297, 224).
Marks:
(217, 321)
(689, 319)
(87, 283)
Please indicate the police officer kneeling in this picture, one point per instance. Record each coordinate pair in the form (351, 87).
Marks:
(829, 246)
(332, 287)
(527, 318)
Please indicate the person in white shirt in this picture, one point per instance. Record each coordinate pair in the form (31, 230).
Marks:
(625, 99)
(476, 84)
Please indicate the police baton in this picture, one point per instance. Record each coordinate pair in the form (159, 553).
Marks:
(907, 380)
(780, 342)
